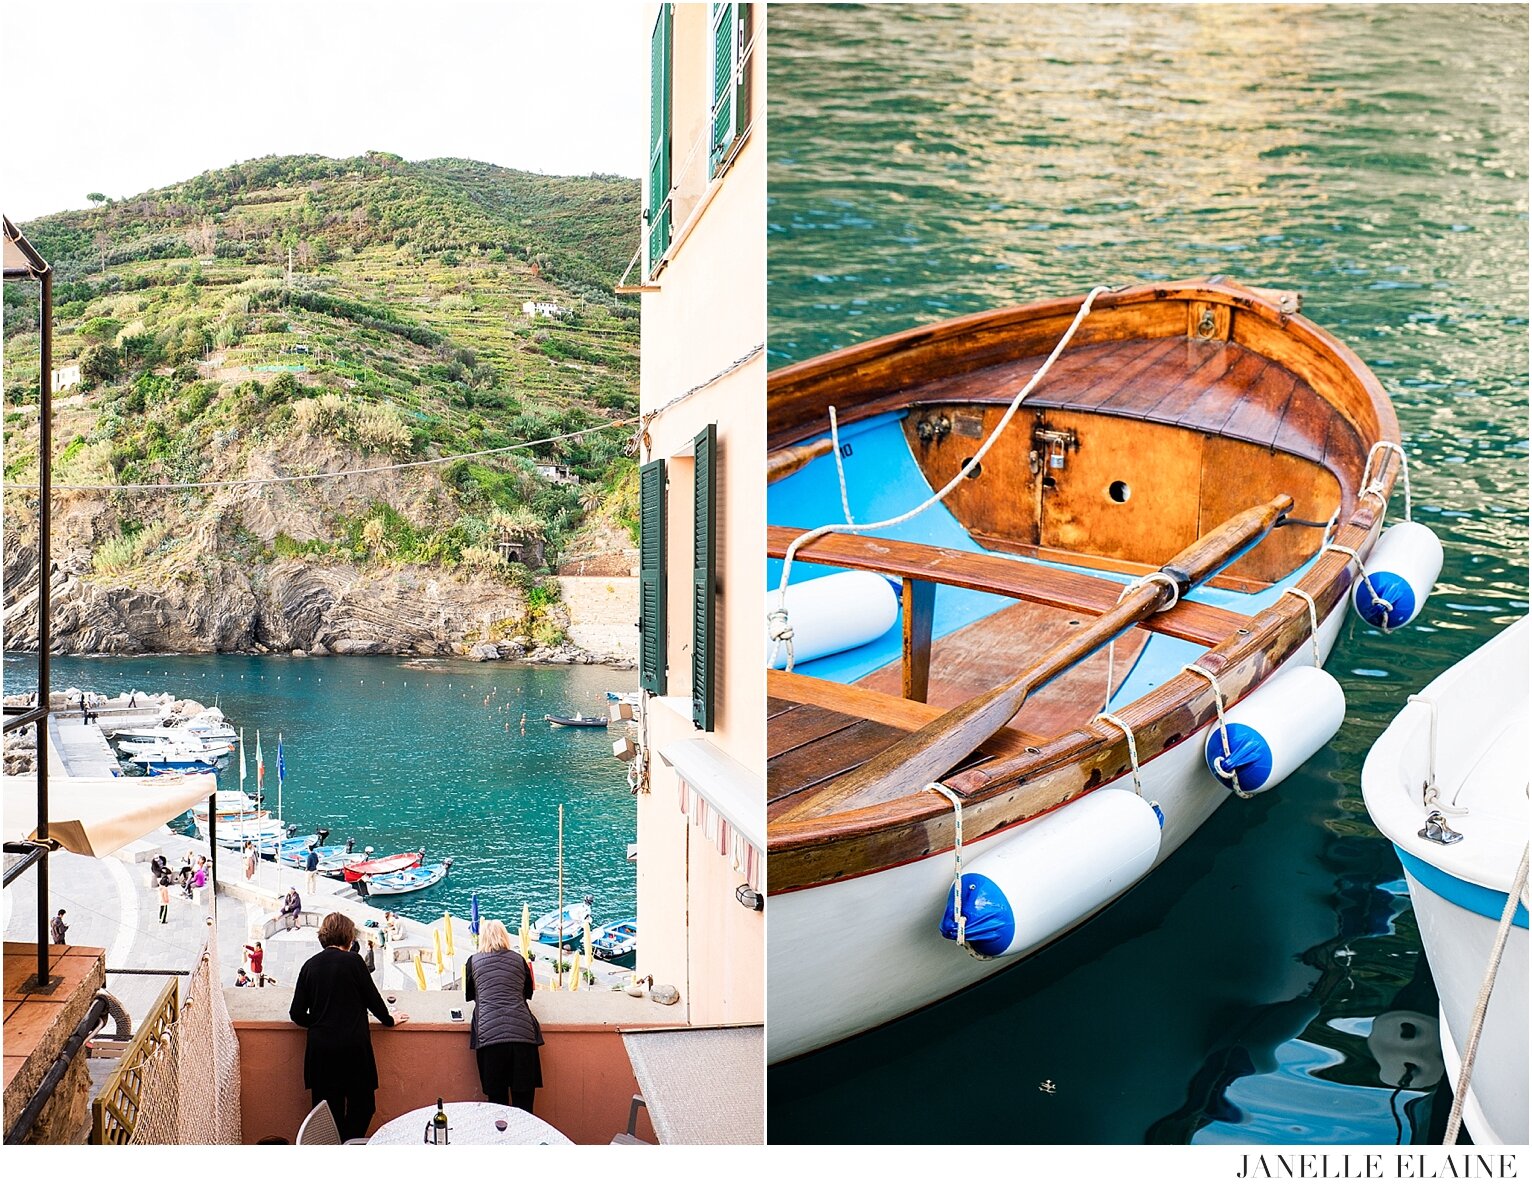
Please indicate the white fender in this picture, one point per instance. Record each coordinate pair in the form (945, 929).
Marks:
(1286, 721)
(834, 613)
(1055, 871)
(1401, 569)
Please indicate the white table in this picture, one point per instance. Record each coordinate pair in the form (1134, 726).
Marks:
(471, 1123)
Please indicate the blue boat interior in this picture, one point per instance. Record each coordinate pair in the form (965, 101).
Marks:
(884, 481)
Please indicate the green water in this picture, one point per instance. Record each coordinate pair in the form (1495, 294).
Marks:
(932, 161)
(403, 759)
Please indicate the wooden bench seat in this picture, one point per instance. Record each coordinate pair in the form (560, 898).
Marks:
(1189, 620)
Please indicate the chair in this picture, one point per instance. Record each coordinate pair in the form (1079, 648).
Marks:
(629, 1138)
(319, 1129)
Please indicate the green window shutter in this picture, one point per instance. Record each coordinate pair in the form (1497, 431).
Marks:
(725, 44)
(742, 69)
(651, 577)
(704, 576)
(657, 214)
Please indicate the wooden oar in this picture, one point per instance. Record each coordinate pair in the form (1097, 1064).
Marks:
(927, 753)
(783, 463)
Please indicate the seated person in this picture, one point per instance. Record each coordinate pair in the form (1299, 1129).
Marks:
(292, 906)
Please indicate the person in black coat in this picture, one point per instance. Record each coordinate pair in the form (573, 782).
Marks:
(504, 1034)
(331, 1000)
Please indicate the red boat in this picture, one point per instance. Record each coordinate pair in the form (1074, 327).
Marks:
(383, 864)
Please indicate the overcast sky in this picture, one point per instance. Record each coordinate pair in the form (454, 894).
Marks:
(140, 93)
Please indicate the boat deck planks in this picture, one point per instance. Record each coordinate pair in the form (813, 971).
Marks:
(993, 650)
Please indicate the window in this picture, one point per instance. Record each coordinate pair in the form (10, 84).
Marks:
(657, 211)
(704, 573)
(651, 577)
(731, 82)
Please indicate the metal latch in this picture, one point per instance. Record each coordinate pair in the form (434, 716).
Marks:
(1055, 443)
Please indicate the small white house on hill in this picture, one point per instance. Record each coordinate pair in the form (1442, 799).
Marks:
(541, 309)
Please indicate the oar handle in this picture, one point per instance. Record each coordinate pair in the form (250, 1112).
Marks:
(1208, 555)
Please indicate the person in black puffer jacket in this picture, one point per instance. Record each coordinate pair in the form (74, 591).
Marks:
(504, 1034)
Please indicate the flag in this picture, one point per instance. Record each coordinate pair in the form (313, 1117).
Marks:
(473, 919)
(242, 770)
(281, 765)
(260, 765)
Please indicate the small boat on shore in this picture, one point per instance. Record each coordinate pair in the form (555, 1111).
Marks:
(409, 880)
(616, 942)
(379, 866)
(266, 832)
(1447, 783)
(558, 927)
(576, 721)
(1047, 585)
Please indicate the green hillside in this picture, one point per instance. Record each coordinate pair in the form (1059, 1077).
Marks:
(297, 314)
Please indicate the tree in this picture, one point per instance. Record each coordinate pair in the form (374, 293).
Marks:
(96, 197)
(99, 363)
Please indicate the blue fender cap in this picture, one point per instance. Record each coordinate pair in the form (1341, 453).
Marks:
(1249, 756)
(1388, 586)
(990, 923)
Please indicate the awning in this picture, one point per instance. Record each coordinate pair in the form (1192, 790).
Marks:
(724, 800)
(702, 1085)
(95, 818)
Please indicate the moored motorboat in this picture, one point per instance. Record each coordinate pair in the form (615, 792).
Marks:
(616, 942)
(378, 866)
(558, 927)
(955, 761)
(1446, 782)
(576, 721)
(408, 880)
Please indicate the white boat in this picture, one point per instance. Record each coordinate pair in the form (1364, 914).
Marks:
(267, 832)
(1447, 784)
(558, 927)
(409, 880)
(181, 747)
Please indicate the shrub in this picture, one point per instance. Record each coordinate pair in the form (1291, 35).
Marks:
(380, 428)
(99, 364)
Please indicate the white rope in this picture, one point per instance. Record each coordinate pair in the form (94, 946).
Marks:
(840, 468)
(1481, 1006)
(951, 796)
(1366, 580)
(1111, 647)
(1223, 729)
(1373, 485)
(1138, 785)
(1313, 619)
(260, 481)
(808, 536)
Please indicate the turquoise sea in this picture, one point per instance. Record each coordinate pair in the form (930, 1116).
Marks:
(403, 759)
(929, 161)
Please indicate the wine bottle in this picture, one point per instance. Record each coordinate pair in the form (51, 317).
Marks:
(439, 1123)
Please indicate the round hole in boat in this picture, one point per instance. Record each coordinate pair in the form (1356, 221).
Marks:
(1119, 491)
(1049, 482)
(1173, 739)
(978, 468)
(1033, 750)
(1073, 623)
(1242, 632)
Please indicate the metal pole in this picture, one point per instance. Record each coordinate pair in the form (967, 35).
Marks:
(212, 845)
(44, 623)
(558, 972)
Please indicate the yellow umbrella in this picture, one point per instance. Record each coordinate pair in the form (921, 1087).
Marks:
(574, 972)
(588, 955)
(451, 950)
(526, 930)
(420, 973)
(440, 965)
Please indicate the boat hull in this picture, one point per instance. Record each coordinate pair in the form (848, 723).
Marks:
(814, 1005)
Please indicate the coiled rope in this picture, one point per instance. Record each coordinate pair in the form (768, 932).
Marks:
(778, 628)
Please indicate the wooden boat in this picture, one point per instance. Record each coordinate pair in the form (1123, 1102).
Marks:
(1199, 422)
(1447, 784)
(576, 721)
(383, 864)
(616, 942)
(409, 880)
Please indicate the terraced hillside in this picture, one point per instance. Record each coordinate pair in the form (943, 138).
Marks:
(301, 315)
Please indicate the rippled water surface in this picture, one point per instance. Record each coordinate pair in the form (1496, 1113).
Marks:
(933, 161)
(403, 759)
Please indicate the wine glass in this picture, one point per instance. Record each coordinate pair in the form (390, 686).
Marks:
(501, 1124)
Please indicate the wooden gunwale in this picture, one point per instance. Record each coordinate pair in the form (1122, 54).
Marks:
(810, 847)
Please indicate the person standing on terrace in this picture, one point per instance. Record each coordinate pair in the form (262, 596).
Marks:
(503, 1034)
(331, 1000)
